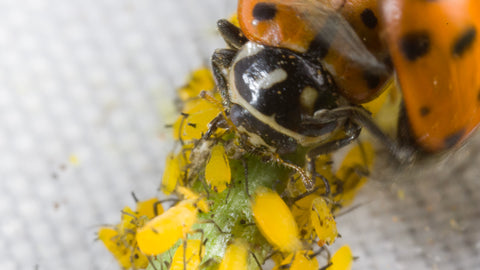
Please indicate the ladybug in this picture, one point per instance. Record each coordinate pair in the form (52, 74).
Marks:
(436, 54)
(430, 45)
(280, 101)
(343, 35)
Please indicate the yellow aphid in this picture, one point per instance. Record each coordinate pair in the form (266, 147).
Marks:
(200, 80)
(375, 105)
(299, 260)
(120, 240)
(323, 221)
(197, 200)
(191, 260)
(162, 232)
(217, 170)
(235, 257)
(171, 174)
(193, 124)
(123, 252)
(301, 212)
(385, 108)
(275, 220)
(149, 208)
(342, 259)
(359, 158)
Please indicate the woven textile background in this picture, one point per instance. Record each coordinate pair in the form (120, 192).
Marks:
(86, 87)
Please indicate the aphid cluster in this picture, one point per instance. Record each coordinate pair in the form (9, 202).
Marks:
(432, 47)
(235, 211)
(253, 169)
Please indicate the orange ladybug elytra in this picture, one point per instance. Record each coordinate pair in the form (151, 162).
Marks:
(343, 35)
(432, 46)
(436, 54)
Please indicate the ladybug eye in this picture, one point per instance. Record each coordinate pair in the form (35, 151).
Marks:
(264, 11)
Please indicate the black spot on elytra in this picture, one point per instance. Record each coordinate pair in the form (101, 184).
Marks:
(264, 11)
(373, 80)
(369, 18)
(464, 42)
(454, 138)
(319, 47)
(424, 111)
(388, 61)
(415, 45)
(478, 95)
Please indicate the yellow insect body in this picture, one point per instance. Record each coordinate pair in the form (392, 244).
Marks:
(200, 80)
(197, 200)
(191, 260)
(126, 255)
(149, 209)
(172, 174)
(299, 260)
(323, 221)
(354, 161)
(342, 259)
(162, 232)
(198, 114)
(120, 240)
(235, 257)
(217, 170)
(275, 220)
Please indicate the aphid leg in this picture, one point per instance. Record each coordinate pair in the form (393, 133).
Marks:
(202, 242)
(155, 207)
(228, 193)
(303, 195)
(256, 259)
(326, 266)
(128, 214)
(214, 224)
(135, 199)
(288, 265)
(232, 35)
(150, 262)
(245, 171)
(269, 256)
(184, 117)
(184, 253)
(205, 186)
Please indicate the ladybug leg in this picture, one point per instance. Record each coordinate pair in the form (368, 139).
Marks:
(221, 62)
(402, 153)
(232, 35)
(360, 116)
(351, 133)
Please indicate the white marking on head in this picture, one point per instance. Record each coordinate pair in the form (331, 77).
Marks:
(308, 98)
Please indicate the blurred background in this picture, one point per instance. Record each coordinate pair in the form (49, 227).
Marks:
(86, 88)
